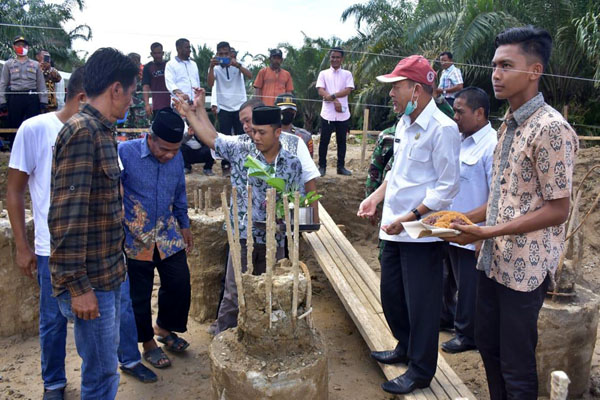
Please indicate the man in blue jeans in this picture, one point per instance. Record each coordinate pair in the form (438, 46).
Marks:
(30, 163)
(85, 221)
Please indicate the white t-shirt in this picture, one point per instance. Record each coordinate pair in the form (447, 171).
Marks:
(32, 153)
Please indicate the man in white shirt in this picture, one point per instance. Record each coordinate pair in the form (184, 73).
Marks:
(471, 108)
(31, 164)
(181, 73)
(424, 178)
(227, 75)
(334, 85)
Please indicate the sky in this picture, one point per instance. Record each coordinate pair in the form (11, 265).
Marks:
(254, 27)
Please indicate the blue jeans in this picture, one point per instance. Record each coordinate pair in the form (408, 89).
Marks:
(53, 331)
(128, 352)
(97, 341)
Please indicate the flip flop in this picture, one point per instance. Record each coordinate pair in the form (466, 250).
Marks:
(155, 356)
(141, 373)
(178, 345)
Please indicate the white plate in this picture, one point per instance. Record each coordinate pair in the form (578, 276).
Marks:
(418, 230)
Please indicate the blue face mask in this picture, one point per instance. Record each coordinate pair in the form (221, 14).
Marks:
(412, 105)
(120, 121)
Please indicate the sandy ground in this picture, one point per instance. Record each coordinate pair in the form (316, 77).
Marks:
(352, 374)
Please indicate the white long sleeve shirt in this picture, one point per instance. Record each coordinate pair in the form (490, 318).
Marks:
(182, 75)
(476, 159)
(425, 170)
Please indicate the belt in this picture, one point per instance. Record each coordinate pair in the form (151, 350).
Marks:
(23, 91)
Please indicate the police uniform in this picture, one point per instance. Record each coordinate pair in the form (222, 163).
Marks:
(22, 89)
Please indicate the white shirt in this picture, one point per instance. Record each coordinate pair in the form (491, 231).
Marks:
(32, 153)
(425, 169)
(476, 158)
(229, 88)
(182, 75)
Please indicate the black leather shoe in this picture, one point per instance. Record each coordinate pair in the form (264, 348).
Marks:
(455, 345)
(344, 171)
(56, 394)
(403, 385)
(322, 171)
(395, 356)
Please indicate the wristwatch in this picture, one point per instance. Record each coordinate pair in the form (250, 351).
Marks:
(333, 96)
(444, 92)
(417, 213)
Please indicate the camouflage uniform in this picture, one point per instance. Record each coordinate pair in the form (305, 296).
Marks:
(137, 118)
(381, 160)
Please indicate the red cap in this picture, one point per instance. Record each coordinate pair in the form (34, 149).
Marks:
(416, 68)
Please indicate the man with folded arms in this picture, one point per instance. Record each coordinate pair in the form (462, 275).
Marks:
(424, 178)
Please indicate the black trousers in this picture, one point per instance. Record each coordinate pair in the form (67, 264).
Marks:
(463, 278)
(173, 296)
(229, 124)
(449, 293)
(199, 156)
(341, 130)
(21, 107)
(506, 336)
(411, 288)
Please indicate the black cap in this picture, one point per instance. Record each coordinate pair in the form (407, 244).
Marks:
(20, 39)
(275, 52)
(266, 115)
(168, 126)
(285, 101)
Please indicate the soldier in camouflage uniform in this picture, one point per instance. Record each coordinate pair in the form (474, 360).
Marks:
(381, 160)
(136, 115)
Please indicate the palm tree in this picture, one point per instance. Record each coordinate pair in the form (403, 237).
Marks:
(52, 37)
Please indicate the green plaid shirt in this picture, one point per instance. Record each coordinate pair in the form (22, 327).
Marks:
(85, 217)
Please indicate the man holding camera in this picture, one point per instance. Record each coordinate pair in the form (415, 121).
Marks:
(51, 77)
(22, 86)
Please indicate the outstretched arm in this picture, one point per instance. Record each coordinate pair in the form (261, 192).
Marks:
(197, 117)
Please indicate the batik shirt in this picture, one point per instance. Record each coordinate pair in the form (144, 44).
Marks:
(155, 202)
(533, 164)
(235, 149)
(381, 160)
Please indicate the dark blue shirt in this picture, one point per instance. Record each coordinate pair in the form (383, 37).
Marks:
(155, 202)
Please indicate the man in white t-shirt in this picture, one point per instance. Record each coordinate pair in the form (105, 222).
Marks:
(31, 164)
(181, 73)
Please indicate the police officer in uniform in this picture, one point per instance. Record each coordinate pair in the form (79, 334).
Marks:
(22, 86)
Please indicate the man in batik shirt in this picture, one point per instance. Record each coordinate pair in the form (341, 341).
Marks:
(525, 215)
(157, 234)
(266, 148)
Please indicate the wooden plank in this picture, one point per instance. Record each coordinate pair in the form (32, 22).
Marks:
(342, 263)
(346, 268)
(364, 269)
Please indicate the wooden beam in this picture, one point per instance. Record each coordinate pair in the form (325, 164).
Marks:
(363, 142)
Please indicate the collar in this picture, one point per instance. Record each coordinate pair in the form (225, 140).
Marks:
(423, 118)
(335, 70)
(90, 110)
(180, 60)
(450, 68)
(144, 148)
(521, 114)
(480, 134)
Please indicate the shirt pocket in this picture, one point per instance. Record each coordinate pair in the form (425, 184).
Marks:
(418, 167)
(31, 73)
(467, 168)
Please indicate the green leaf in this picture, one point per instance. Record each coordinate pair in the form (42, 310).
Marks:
(277, 183)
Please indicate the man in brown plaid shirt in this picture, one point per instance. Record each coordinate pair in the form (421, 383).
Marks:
(85, 220)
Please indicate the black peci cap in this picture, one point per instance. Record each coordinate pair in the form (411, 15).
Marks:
(168, 126)
(266, 115)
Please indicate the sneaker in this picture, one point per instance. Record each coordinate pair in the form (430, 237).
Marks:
(322, 171)
(344, 171)
(208, 172)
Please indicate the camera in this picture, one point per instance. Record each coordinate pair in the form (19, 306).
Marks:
(225, 61)
(46, 58)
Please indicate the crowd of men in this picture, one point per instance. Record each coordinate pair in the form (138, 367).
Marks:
(106, 217)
